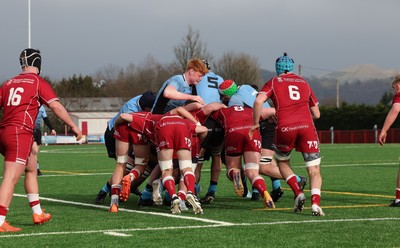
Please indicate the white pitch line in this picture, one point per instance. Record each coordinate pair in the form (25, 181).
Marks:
(206, 169)
(134, 211)
(117, 234)
(318, 220)
(362, 164)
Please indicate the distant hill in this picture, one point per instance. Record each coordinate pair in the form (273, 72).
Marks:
(361, 73)
(358, 84)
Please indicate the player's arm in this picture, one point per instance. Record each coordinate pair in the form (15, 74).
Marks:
(267, 113)
(59, 110)
(314, 106)
(257, 109)
(193, 106)
(315, 112)
(181, 111)
(170, 92)
(123, 117)
(211, 107)
(390, 118)
(201, 132)
(48, 124)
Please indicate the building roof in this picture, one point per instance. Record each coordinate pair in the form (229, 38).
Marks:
(93, 115)
(93, 104)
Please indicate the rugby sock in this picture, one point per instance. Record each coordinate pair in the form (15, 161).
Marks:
(212, 187)
(294, 185)
(315, 196)
(107, 187)
(115, 190)
(34, 203)
(147, 193)
(259, 183)
(197, 188)
(167, 197)
(3, 213)
(169, 185)
(135, 174)
(244, 181)
(397, 195)
(182, 195)
(276, 183)
(189, 179)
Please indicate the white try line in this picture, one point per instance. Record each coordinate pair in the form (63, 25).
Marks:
(121, 231)
(362, 164)
(132, 211)
(71, 173)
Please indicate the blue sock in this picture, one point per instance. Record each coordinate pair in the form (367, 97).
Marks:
(212, 188)
(167, 197)
(298, 178)
(106, 188)
(146, 194)
(276, 184)
(197, 188)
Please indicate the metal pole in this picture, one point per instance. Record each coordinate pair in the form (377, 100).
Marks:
(337, 93)
(29, 23)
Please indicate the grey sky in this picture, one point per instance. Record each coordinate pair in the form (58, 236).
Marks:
(83, 36)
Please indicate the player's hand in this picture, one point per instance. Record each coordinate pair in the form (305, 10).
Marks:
(382, 138)
(251, 131)
(77, 132)
(198, 99)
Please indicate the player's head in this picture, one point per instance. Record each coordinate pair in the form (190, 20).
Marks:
(228, 88)
(284, 64)
(30, 57)
(197, 65)
(146, 101)
(208, 65)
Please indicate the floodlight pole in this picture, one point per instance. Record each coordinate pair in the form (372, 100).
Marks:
(29, 23)
(337, 94)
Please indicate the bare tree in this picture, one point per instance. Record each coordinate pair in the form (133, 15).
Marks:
(136, 79)
(108, 74)
(242, 68)
(191, 47)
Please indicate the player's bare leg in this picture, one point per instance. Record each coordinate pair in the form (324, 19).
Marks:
(12, 174)
(185, 166)
(32, 189)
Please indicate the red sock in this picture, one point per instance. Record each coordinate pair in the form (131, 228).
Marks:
(316, 199)
(3, 211)
(189, 180)
(294, 185)
(182, 195)
(135, 173)
(316, 196)
(398, 193)
(115, 189)
(33, 203)
(169, 185)
(259, 184)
